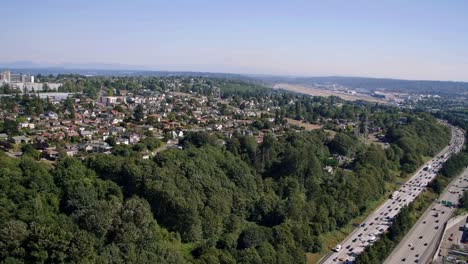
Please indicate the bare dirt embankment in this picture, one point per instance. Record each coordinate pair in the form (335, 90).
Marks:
(320, 92)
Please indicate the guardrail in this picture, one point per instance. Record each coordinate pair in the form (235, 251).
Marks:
(435, 253)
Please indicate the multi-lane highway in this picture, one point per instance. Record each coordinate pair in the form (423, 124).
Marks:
(422, 240)
(379, 220)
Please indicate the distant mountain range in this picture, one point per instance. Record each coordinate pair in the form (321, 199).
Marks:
(69, 66)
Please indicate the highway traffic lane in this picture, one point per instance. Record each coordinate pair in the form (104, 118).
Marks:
(370, 231)
(418, 246)
(358, 247)
(428, 230)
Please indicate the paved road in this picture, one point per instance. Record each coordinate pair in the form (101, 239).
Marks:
(453, 236)
(422, 240)
(379, 220)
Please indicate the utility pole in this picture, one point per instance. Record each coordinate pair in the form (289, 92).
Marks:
(366, 121)
(357, 127)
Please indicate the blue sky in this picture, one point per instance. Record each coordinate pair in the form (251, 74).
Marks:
(401, 39)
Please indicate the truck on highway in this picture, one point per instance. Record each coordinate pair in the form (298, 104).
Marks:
(395, 194)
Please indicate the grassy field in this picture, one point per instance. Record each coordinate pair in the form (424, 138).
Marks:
(331, 133)
(372, 139)
(305, 125)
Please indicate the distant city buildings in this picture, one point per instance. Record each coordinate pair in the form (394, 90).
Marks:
(26, 83)
(27, 78)
(8, 77)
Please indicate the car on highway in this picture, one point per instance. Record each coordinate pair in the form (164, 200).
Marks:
(337, 248)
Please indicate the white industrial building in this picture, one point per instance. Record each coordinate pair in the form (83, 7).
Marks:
(25, 83)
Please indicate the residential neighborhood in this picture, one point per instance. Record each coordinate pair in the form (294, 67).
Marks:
(63, 122)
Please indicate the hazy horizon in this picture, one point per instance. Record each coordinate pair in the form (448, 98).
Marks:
(420, 40)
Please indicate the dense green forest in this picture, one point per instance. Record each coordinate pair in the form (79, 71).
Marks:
(67, 214)
(217, 200)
